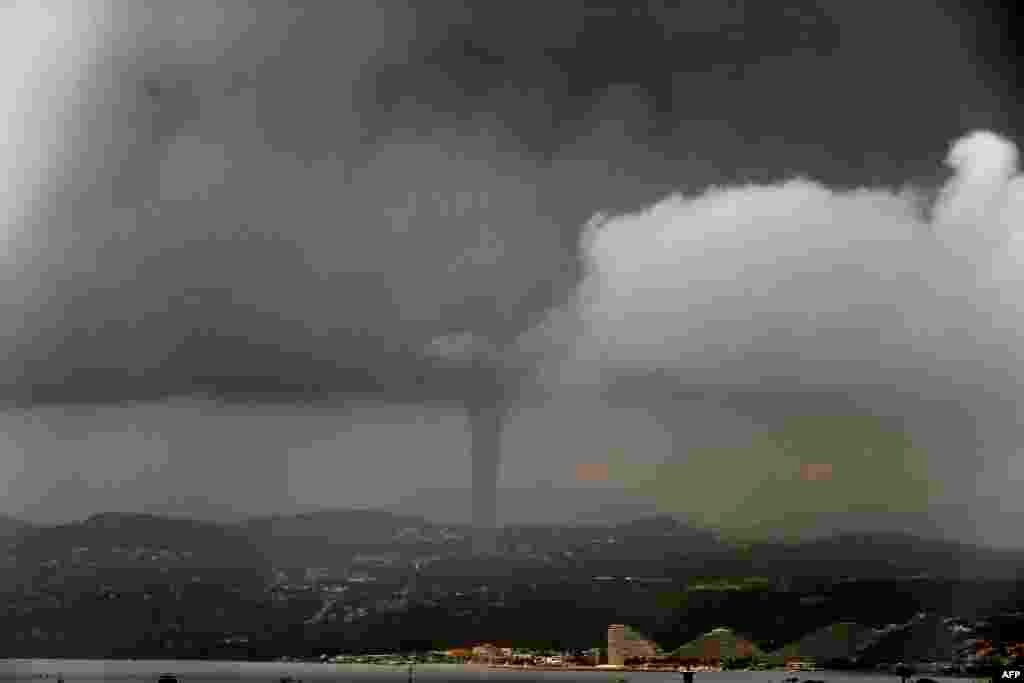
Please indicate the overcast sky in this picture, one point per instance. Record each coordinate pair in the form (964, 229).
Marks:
(233, 232)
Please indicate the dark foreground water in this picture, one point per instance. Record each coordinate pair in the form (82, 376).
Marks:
(211, 672)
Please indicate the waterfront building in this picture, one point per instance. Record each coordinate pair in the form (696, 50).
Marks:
(626, 643)
(486, 653)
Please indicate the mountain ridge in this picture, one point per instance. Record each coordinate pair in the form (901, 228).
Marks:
(862, 555)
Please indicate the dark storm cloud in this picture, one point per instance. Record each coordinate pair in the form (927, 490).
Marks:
(230, 238)
(259, 196)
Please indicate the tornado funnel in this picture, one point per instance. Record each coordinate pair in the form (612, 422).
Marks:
(487, 377)
(485, 423)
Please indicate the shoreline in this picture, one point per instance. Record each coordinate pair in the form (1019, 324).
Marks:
(814, 674)
(618, 669)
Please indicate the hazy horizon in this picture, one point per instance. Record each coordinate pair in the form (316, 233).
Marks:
(547, 505)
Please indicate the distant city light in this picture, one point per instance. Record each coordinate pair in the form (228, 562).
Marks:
(816, 472)
(592, 472)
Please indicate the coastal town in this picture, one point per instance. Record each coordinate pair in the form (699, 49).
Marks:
(720, 649)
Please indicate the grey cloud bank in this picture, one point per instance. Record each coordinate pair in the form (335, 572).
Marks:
(766, 304)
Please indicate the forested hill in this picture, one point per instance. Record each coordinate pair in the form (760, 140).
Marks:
(133, 540)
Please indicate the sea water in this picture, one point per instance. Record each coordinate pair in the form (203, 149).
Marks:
(211, 672)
